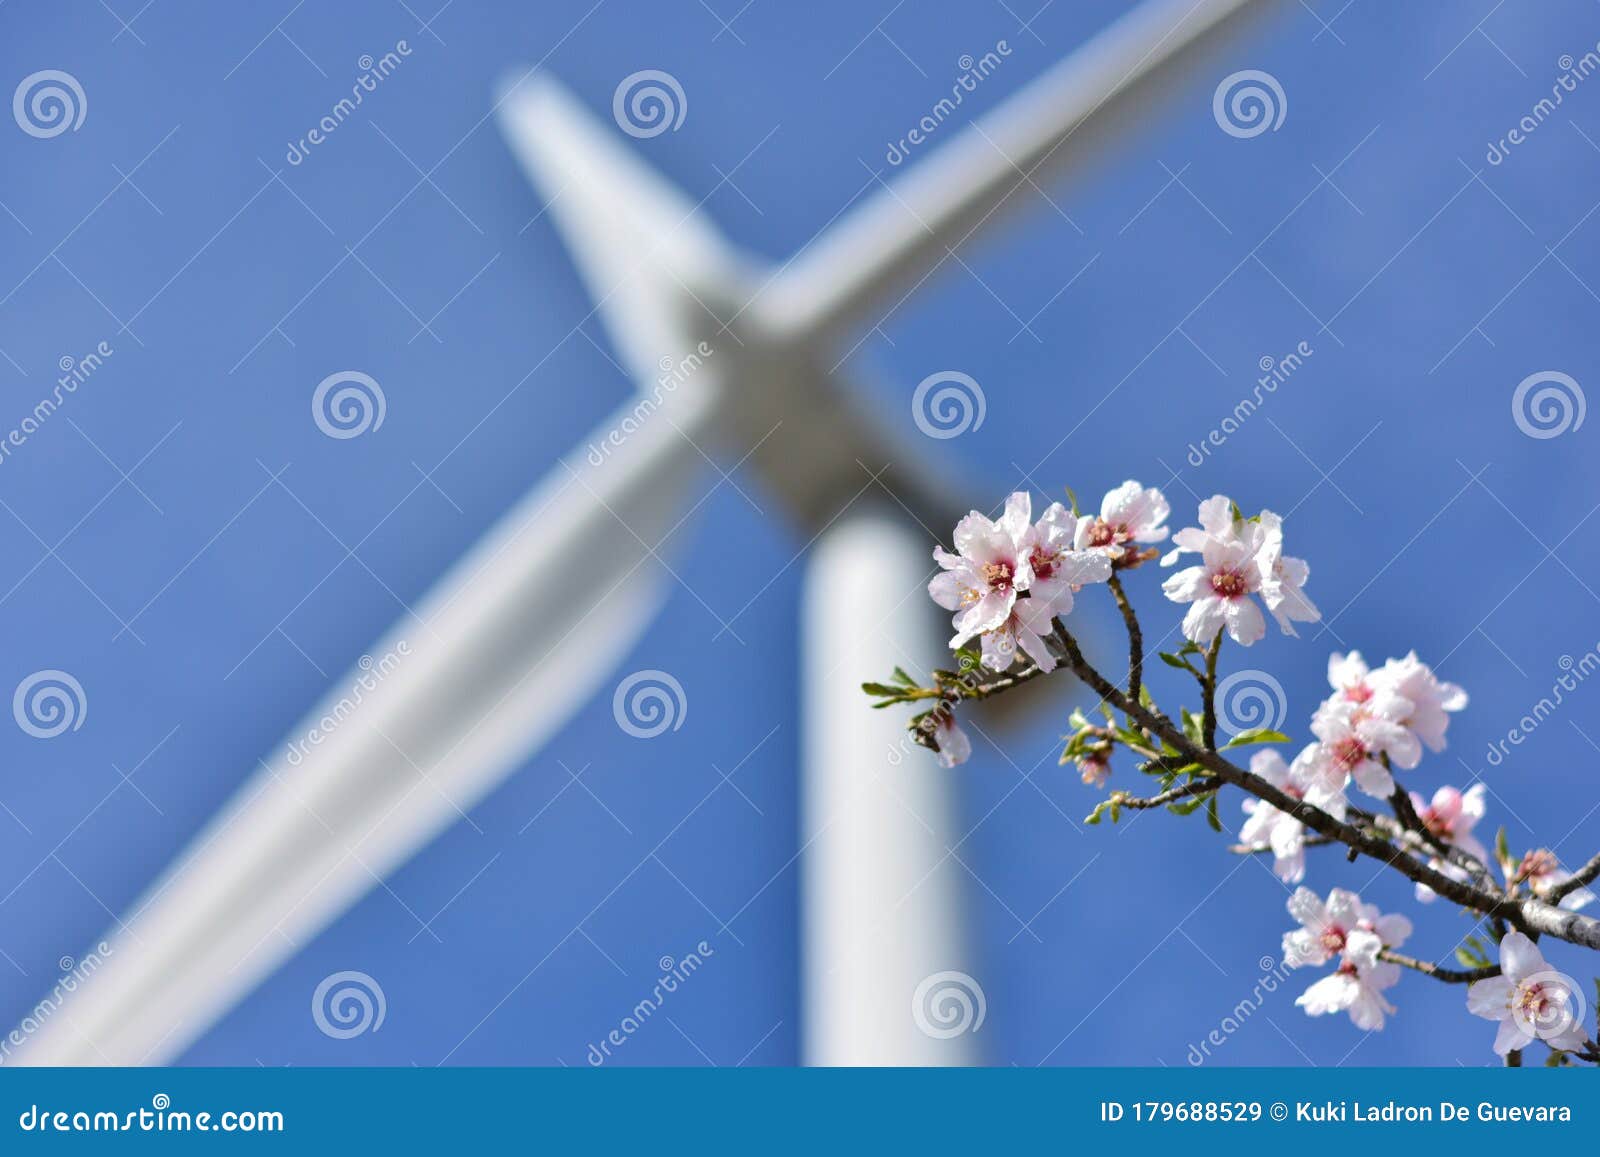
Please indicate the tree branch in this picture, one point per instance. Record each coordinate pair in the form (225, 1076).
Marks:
(1448, 975)
(1584, 875)
(1528, 915)
(1135, 638)
(1172, 795)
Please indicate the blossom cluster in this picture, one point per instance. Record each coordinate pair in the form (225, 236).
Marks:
(1374, 720)
(1010, 579)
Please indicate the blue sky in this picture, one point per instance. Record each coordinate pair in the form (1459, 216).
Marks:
(204, 606)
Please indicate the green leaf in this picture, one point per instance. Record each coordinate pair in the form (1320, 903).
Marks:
(1502, 847)
(1189, 648)
(1191, 727)
(1256, 735)
(1211, 813)
(1146, 700)
(882, 689)
(900, 676)
(1072, 500)
(1172, 660)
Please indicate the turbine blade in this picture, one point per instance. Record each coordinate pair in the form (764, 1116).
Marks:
(1096, 96)
(642, 248)
(518, 635)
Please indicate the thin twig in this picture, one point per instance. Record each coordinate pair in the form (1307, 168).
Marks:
(1172, 795)
(1448, 975)
(1208, 693)
(1135, 638)
(1584, 875)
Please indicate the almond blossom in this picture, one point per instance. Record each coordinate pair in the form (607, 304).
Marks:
(1130, 513)
(1024, 630)
(1095, 766)
(1543, 871)
(981, 581)
(1057, 566)
(1529, 999)
(1349, 675)
(1356, 986)
(1282, 577)
(1285, 835)
(1354, 933)
(1357, 738)
(1431, 700)
(1219, 590)
(1342, 926)
(1216, 521)
(1238, 558)
(953, 745)
(1419, 701)
(1451, 816)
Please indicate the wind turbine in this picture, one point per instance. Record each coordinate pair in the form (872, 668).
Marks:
(512, 646)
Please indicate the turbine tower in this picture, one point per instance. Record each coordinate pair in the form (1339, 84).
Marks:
(509, 656)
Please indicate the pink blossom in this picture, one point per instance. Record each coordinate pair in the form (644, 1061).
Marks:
(1285, 835)
(1529, 999)
(981, 581)
(1130, 513)
(1058, 567)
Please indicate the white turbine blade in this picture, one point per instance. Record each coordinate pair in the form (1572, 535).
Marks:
(641, 246)
(518, 635)
(1095, 96)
